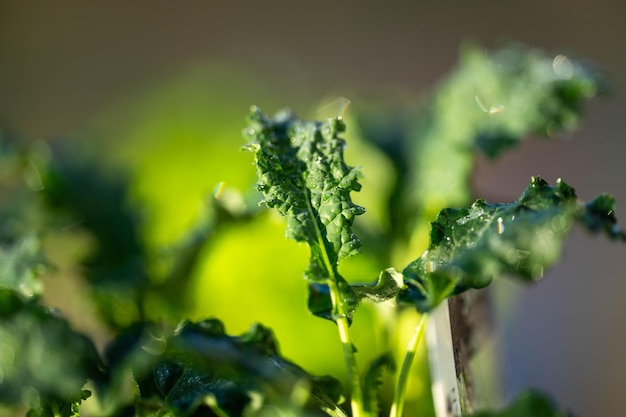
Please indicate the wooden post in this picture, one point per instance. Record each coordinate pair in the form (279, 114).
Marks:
(462, 357)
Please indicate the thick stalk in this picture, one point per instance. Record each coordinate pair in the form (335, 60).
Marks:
(398, 398)
(348, 350)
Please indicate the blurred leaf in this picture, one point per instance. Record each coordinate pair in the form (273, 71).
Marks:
(21, 263)
(69, 408)
(98, 202)
(372, 381)
(490, 103)
(177, 262)
(44, 363)
(599, 216)
(525, 91)
(469, 247)
(529, 404)
(303, 175)
(203, 368)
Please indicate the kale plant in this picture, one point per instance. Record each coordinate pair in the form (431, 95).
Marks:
(152, 367)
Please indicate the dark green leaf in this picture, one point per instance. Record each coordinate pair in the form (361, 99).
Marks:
(303, 175)
(599, 216)
(42, 359)
(70, 407)
(89, 198)
(469, 247)
(529, 404)
(132, 349)
(373, 380)
(203, 368)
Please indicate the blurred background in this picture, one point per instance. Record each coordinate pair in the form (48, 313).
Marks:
(163, 87)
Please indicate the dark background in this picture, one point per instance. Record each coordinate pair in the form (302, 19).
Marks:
(65, 64)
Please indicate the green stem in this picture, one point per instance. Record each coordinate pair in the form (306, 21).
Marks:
(348, 350)
(341, 318)
(398, 398)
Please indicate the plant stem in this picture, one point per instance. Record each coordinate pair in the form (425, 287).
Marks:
(348, 350)
(414, 343)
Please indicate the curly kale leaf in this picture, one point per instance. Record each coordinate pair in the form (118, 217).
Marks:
(469, 247)
(303, 175)
(44, 362)
(201, 369)
(490, 103)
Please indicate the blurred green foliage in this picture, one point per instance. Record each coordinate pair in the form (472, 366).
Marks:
(174, 229)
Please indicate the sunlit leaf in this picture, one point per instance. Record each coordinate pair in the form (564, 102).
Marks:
(302, 174)
(490, 103)
(470, 247)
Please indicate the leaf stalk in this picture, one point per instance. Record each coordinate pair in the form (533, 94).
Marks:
(348, 350)
(398, 399)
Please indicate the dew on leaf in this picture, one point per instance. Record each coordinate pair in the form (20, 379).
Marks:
(500, 225)
(563, 67)
(219, 188)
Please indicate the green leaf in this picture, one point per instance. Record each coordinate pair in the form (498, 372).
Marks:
(490, 103)
(42, 360)
(203, 367)
(179, 260)
(302, 174)
(599, 216)
(469, 247)
(372, 381)
(529, 404)
(69, 407)
(21, 264)
(385, 288)
(89, 198)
